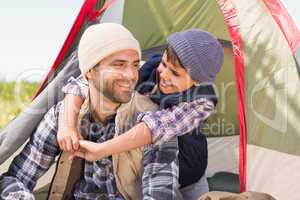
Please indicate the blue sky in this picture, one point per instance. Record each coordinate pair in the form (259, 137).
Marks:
(33, 31)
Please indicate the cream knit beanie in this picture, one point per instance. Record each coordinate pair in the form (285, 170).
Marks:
(102, 40)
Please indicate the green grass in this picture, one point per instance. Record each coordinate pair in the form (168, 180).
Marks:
(14, 97)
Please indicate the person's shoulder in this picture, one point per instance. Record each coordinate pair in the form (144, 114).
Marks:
(55, 110)
(143, 103)
(154, 60)
(138, 104)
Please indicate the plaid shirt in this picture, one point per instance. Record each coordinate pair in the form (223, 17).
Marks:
(99, 181)
(178, 120)
(164, 124)
(160, 166)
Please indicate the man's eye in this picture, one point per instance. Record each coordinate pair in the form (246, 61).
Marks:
(118, 65)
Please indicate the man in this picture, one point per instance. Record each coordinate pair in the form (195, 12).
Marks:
(109, 58)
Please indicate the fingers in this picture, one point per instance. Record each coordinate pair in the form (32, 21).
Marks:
(82, 155)
(62, 144)
(65, 144)
(68, 145)
(79, 154)
(72, 157)
(86, 150)
(80, 137)
(75, 143)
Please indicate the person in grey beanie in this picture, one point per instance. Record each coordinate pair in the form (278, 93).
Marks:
(181, 82)
(199, 53)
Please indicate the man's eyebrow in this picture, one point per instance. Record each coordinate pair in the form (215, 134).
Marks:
(120, 60)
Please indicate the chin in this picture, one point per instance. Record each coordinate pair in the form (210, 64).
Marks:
(165, 91)
(124, 98)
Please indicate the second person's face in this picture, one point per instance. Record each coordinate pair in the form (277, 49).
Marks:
(173, 77)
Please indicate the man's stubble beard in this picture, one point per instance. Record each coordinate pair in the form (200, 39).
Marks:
(108, 90)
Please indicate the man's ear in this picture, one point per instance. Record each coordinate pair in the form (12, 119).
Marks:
(88, 75)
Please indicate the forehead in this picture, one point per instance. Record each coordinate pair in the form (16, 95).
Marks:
(123, 56)
(176, 65)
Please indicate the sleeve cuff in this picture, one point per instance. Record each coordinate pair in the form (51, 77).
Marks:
(75, 87)
(153, 125)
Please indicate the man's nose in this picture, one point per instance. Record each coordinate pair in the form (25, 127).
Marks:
(130, 73)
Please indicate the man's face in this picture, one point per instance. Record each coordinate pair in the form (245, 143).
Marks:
(173, 77)
(116, 76)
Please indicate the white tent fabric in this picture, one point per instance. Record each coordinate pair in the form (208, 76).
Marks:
(223, 154)
(114, 13)
(282, 179)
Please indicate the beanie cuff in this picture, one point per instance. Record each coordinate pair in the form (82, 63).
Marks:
(186, 55)
(199, 52)
(91, 57)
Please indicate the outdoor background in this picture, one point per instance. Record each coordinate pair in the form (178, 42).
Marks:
(31, 35)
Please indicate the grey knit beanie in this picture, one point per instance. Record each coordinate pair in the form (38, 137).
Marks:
(200, 53)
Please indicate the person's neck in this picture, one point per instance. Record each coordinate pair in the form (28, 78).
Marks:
(101, 107)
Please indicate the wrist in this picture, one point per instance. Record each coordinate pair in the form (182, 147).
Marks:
(102, 150)
(70, 132)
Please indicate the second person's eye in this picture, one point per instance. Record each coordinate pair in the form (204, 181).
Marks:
(175, 73)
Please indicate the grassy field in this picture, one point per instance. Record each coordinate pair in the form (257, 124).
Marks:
(13, 98)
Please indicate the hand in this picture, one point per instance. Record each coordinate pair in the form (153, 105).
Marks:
(68, 139)
(90, 151)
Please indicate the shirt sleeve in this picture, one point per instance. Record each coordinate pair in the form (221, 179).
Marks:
(77, 87)
(161, 171)
(37, 156)
(178, 120)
